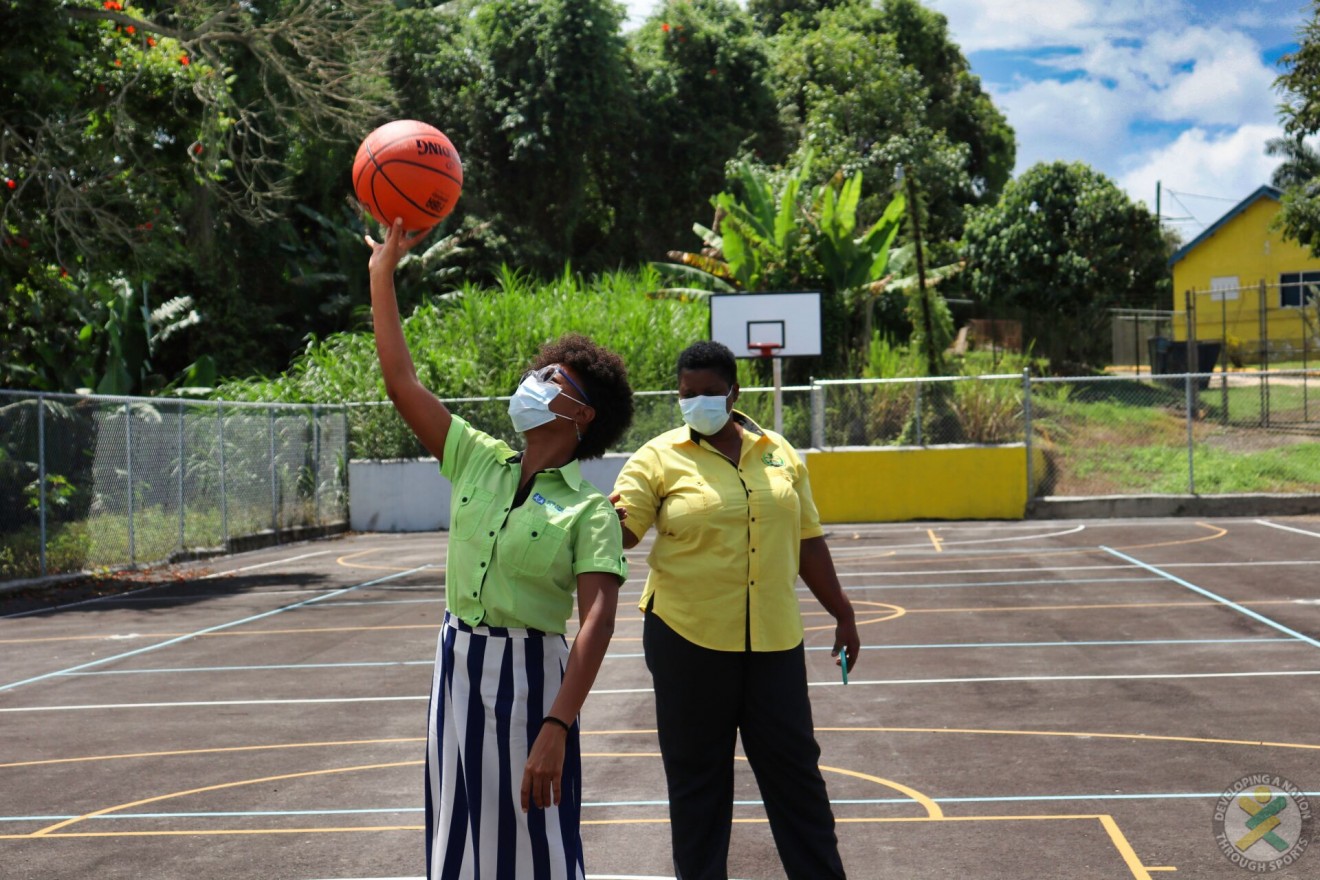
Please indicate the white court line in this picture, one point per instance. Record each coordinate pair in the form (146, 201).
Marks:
(925, 545)
(1274, 525)
(81, 602)
(1226, 602)
(266, 564)
(1046, 569)
(852, 682)
(201, 632)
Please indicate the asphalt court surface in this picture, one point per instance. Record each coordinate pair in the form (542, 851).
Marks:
(1062, 699)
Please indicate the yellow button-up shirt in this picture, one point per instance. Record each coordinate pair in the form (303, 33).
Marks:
(518, 566)
(724, 564)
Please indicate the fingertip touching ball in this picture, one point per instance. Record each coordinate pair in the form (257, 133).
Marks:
(408, 169)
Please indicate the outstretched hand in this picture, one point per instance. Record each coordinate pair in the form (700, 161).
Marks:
(385, 256)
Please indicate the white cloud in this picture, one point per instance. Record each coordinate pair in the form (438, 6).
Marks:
(1199, 164)
(978, 25)
(1070, 121)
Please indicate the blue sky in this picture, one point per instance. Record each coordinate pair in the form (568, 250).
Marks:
(1175, 91)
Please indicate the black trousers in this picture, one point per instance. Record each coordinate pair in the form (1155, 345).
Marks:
(703, 699)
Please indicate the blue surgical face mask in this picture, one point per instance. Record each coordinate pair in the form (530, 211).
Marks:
(705, 414)
(529, 407)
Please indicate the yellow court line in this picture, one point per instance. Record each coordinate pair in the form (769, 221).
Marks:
(1218, 532)
(217, 750)
(342, 560)
(1116, 836)
(50, 829)
(934, 539)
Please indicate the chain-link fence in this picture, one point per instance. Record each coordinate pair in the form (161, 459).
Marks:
(91, 481)
(1206, 433)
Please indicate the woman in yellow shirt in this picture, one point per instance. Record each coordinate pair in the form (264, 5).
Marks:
(735, 526)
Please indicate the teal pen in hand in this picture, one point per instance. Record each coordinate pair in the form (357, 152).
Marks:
(843, 656)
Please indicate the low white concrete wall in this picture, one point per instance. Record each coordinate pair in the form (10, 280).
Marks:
(409, 495)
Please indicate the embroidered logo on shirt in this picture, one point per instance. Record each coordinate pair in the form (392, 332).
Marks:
(553, 505)
(773, 460)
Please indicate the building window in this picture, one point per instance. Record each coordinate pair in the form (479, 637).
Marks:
(1297, 289)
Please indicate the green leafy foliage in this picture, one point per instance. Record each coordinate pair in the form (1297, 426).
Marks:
(1061, 247)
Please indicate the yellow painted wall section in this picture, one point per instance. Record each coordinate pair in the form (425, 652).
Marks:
(895, 484)
(1245, 247)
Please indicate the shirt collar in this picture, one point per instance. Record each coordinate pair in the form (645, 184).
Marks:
(570, 473)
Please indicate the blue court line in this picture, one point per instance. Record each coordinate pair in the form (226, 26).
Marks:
(202, 632)
(1204, 592)
(637, 655)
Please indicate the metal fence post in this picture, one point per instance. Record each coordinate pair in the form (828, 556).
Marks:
(224, 494)
(316, 467)
(917, 414)
(128, 467)
(274, 482)
(1191, 472)
(181, 469)
(817, 415)
(41, 476)
(1026, 428)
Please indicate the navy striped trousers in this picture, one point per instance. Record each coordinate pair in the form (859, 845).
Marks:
(491, 688)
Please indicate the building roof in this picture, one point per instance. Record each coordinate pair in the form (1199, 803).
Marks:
(1264, 192)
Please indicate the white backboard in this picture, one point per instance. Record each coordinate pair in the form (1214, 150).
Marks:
(791, 319)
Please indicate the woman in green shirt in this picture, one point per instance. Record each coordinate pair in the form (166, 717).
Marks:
(503, 762)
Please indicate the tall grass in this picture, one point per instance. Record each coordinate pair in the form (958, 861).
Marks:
(477, 341)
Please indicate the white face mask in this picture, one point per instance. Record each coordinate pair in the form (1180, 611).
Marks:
(529, 407)
(705, 414)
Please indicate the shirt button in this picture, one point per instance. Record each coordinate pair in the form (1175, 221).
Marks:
(474, 595)
(534, 534)
(753, 549)
(483, 565)
(492, 534)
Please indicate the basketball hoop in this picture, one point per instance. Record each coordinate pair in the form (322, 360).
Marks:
(767, 349)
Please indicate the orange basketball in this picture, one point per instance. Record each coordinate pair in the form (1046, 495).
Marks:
(408, 169)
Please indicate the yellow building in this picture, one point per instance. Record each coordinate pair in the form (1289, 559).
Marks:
(1246, 285)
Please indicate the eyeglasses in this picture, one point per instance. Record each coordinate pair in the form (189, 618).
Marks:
(546, 373)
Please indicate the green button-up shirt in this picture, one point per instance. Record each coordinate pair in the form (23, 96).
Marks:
(518, 567)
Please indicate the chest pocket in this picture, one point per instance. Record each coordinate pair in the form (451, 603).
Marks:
(471, 505)
(536, 544)
(784, 491)
(688, 506)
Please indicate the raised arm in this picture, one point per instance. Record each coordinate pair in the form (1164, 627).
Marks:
(422, 410)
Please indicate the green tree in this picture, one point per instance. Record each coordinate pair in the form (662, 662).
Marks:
(861, 98)
(145, 140)
(779, 233)
(956, 103)
(1063, 245)
(705, 98)
(1300, 114)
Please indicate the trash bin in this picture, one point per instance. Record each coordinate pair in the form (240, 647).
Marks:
(1168, 356)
